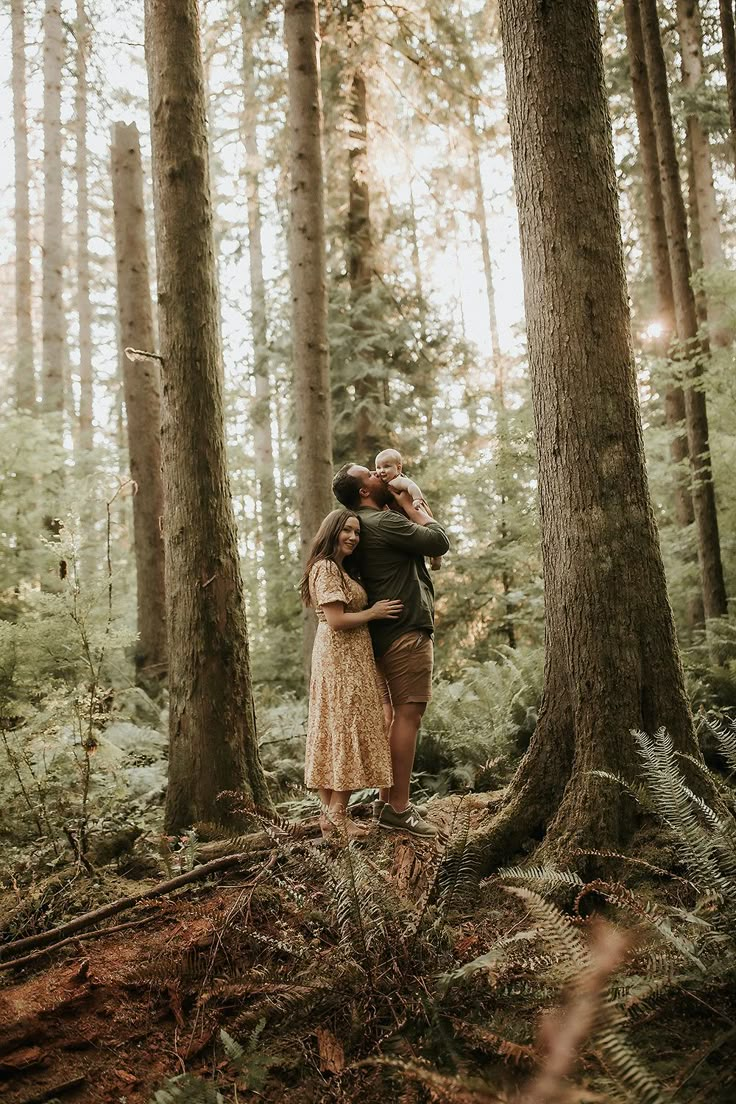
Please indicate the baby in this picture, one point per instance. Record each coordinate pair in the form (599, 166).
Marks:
(389, 466)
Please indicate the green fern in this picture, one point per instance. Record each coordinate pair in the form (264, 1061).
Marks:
(725, 738)
(487, 961)
(556, 929)
(546, 875)
(625, 1067)
(187, 1089)
(677, 806)
(460, 870)
(251, 1063)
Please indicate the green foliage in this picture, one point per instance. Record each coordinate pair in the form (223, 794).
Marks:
(61, 778)
(706, 839)
(187, 1089)
(480, 721)
(251, 1064)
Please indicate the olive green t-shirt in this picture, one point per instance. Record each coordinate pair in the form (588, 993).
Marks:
(391, 562)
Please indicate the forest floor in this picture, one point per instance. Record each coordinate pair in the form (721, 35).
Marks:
(328, 989)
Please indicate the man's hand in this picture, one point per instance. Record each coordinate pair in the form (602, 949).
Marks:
(403, 498)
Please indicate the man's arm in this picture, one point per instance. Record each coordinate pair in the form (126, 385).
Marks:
(417, 534)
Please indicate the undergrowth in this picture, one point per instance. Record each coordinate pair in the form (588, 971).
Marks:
(360, 972)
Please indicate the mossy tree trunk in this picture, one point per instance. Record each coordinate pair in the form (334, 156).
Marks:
(692, 348)
(612, 662)
(142, 390)
(674, 398)
(307, 270)
(212, 729)
(25, 383)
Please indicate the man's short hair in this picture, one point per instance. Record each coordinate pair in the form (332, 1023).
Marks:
(346, 487)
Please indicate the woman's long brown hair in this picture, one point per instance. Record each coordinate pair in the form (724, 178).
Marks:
(324, 547)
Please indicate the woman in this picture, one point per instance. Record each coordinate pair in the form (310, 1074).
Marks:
(347, 743)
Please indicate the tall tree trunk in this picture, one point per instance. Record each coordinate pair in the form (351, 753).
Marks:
(499, 387)
(482, 221)
(728, 36)
(369, 437)
(691, 51)
(25, 382)
(428, 379)
(307, 270)
(212, 727)
(262, 409)
(704, 502)
(600, 548)
(53, 321)
(84, 304)
(142, 391)
(674, 398)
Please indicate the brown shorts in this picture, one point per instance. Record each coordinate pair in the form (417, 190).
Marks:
(405, 670)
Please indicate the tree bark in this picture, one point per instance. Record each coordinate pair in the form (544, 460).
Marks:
(307, 270)
(84, 303)
(692, 348)
(262, 408)
(482, 221)
(142, 391)
(612, 663)
(212, 728)
(369, 404)
(25, 382)
(53, 321)
(709, 219)
(499, 382)
(728, 36)
(674, 398)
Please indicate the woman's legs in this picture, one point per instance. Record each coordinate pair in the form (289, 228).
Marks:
(339, 804)
(325, 797)
(334, 815)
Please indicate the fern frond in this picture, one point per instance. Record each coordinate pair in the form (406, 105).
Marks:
(725, 739)
(673, 802)
(633, 789)
(648, 911)
(546, 875)
(483, 962)
(187, 1089)
(459, 872)
(234, 1051)
(632, 860)
(627, 1068)
(555, 928)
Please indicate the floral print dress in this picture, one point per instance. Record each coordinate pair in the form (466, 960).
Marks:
(347, 742)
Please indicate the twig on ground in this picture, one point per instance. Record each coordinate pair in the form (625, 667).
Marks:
(114, 907)
(70, 939)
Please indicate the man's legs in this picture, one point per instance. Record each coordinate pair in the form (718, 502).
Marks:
(388, 717)
(403, 738)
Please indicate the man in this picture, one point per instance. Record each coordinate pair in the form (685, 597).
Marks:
(391, 559)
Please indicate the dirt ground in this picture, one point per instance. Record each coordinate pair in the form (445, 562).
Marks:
(107, 1019)
(118, 1010)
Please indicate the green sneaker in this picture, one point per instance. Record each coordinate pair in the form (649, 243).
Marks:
(407, 821)
(377, 807)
